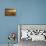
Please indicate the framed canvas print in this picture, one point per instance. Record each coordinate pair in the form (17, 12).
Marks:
(10, 12)
(29, 33)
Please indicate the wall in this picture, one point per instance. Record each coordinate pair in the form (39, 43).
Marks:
(33, 12)
(28, 12)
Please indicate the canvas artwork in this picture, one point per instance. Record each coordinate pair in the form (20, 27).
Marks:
(33, 32)
(10, 12)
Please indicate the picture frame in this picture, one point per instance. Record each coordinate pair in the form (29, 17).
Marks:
(10, 12)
